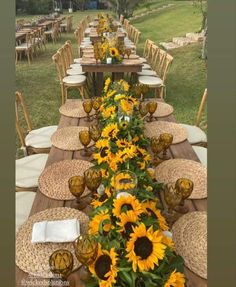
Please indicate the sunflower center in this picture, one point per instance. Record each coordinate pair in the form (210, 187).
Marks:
(103, 197)
(104, 152)
(102, 266)
(151, 212)
(126, 207)
(143, 247)
(128, 227)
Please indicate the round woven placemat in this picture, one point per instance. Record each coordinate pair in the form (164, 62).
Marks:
(163, 110)
(74, 109)
(68, 138)
(53, 182)
(190, 238)
(171, 170)
(132, 62)
(33, 258)
(156, 128)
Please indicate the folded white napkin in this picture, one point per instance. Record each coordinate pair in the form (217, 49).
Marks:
(55, 231)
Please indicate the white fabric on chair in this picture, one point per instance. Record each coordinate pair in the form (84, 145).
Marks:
(150, 81)
(75, 71)
(146, 67)
(148, 73)
(28, 170)
(195, 134)
(201, 153)
(40, 138)
(143, 60)
(78, 79)
(76, 66)
(23, 203)
(77, 60)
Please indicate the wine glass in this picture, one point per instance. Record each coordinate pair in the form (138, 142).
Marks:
(96, 105)
(84, 137)
(143, 109)
(86, 249)
(95, 132)
(88, 105)
(93, 178)
(156, 147)
(152, 106)
(61, 263)
(184, 187)
(172, 199)
(167, 140)
(128, 52)
(77, 187)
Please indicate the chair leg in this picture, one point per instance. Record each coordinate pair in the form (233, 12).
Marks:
(66, 94)
(28, 56)
(62, 94)
(82, 92)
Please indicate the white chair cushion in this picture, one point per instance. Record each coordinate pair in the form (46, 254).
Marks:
(78, 79)
(150, 81)
(146, 67)
(147, 73)
(201, 153)
(28, 169)
(143, 60)
(87, 30)
(195, 134)
(23, 204)
(23, 46)
(63, 25)
(40, 138)
(87, 39)
(87, 45)
(48, 32)
(76, 66)
(77, 60)
(75, 71)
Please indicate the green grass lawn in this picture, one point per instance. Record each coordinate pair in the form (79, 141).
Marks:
(185, 84)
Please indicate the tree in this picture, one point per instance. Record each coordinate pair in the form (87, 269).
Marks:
(202, 5)
(124, 7)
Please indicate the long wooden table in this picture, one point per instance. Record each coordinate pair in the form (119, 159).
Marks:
(41, 202)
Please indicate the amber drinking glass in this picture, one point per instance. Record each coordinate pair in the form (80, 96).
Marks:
(86, 249)
(184, 187)
(93, 178)
(95, 132)
(96, 105)
(156, 147)
(88, 105)
(143, 109)
(77, 187)
(172, 199)
(166, 139)
(152, 106)
(61, 263)
(84, 137)
(128, 52)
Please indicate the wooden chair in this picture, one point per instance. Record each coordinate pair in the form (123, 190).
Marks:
(66, 82)
(158, 82)
(54, 33)
(149, 68)
(40, 39)
(32, 140)
(121, 19)
(26, 48)
(196, 136)
(67, 27)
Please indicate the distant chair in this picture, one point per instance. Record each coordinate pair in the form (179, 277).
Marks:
(54, 33)
(67, 27)
(32, 141)
(26, 48)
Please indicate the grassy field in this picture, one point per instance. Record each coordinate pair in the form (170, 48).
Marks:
(186, 80)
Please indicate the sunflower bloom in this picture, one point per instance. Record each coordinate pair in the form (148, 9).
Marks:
(97, 219)
(145, 248)
(128, 203)
(176, 279)
(105, 267)
(127, 220)
(110, 131)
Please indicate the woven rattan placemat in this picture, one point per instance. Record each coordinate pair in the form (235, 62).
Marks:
(163, 110)
(158, 127)
(68, 138)
(171, 170)
(34, 258)
(74, 109)
(53, 182)
(190, 238)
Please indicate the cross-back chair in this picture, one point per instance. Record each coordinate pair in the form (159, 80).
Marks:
(26, 48)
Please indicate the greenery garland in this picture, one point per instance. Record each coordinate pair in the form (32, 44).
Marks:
(134, 248)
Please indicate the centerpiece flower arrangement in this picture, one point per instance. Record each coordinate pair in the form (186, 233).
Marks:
(107, 52)
(134, 249)
(105, 24)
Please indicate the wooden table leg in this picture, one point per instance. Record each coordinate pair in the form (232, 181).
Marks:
(118, 76)
(94, 84)
(99, 83)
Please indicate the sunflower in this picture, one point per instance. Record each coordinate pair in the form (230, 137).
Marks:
(95, 222)
(102, 155)
(107, 83)
(124, 125)
(119, 97)
(104, 267)
(124, 181)
(144, 248)
(110, 131)
(142, 165)
(101, 199)
(126, 106)
(168, 242)
(101, 143)
(130, 152)
(133, 101)
(124, 84)
(109, 112)
(122, 143)
(151, 210)
(176, 279)
(143, 154)
(109, 95)
(114, 160)
(128, 203)
(127, 220)
(114, 52)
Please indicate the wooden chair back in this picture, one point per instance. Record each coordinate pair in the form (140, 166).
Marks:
(69, 52)
(121, 19)
(153, 57)
(149, 51)
(166, 66)
(60, 66)
(160, 62)
(20, 105)
(201, 108)
(136, 37)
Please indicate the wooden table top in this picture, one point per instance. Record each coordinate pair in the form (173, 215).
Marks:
(41, 202)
